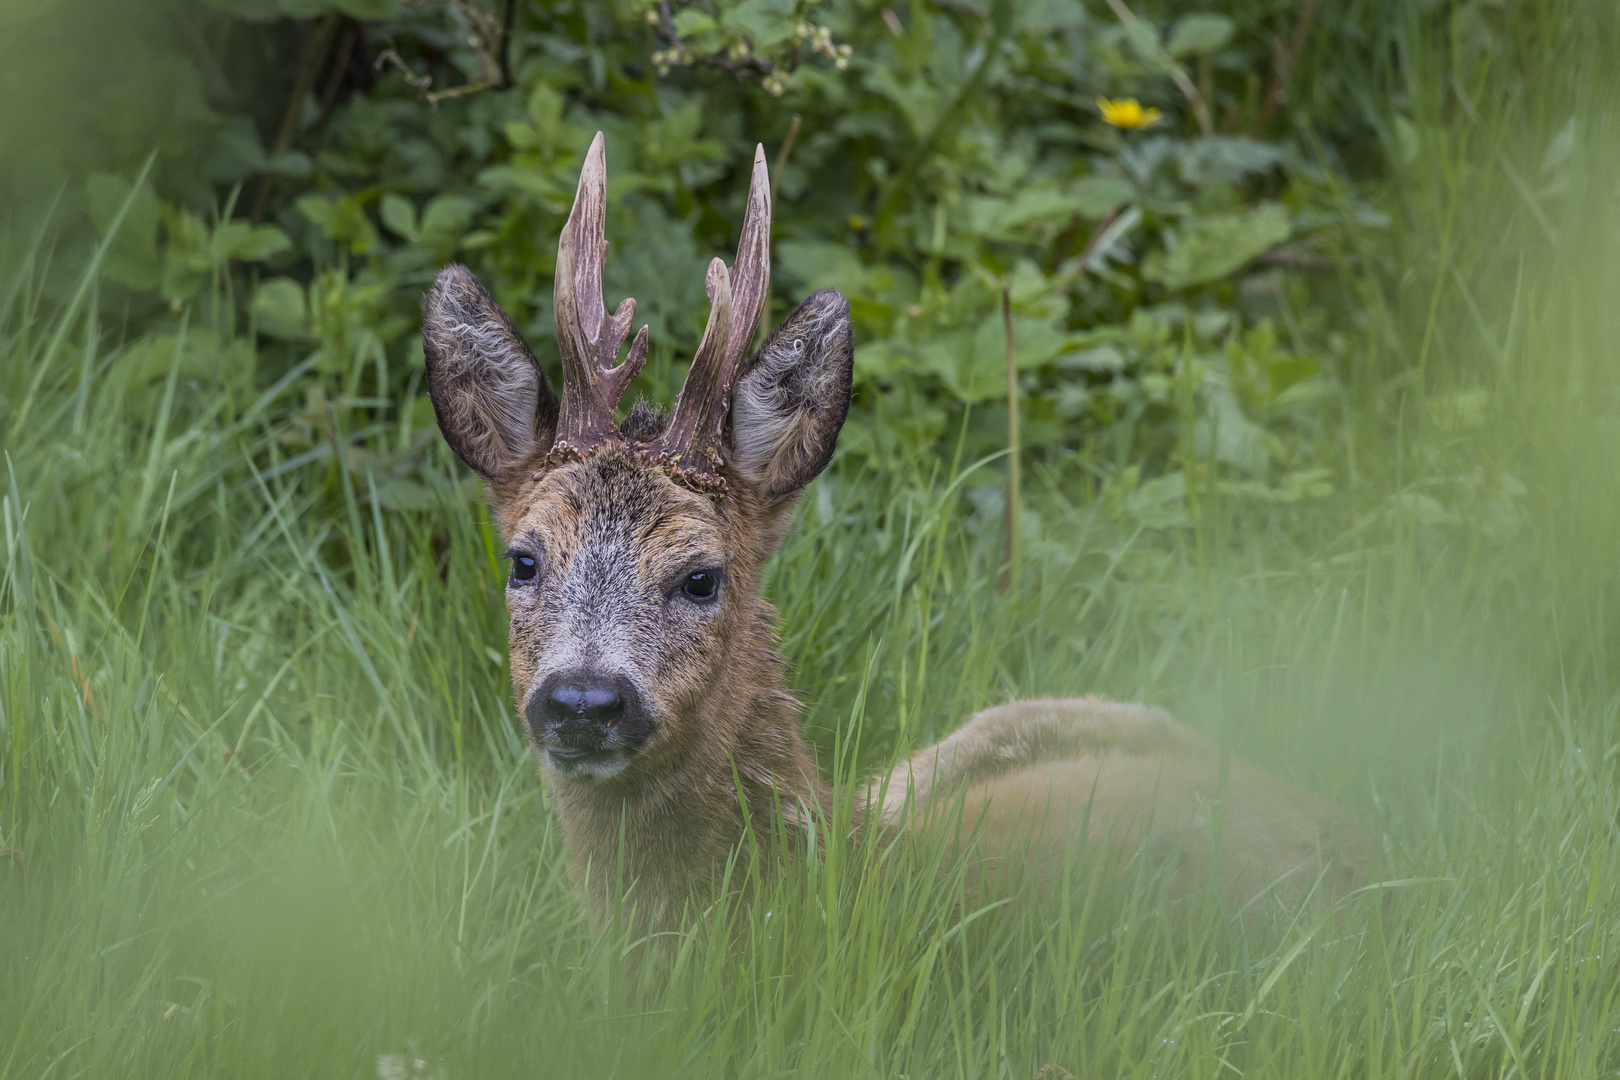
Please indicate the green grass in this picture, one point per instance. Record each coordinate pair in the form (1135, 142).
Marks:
(265, 810)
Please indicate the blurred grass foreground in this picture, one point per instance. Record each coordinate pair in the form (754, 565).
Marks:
(1319, 375)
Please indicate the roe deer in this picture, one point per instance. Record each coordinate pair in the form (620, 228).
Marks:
(643, 658)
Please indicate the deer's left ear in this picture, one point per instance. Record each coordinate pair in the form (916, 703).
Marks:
(791, 402)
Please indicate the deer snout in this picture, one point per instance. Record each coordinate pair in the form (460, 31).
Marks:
(586, 710)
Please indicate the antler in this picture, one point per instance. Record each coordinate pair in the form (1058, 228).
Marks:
(689, 448)
(588, 339)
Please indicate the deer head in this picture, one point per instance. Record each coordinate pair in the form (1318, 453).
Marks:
(638, 643)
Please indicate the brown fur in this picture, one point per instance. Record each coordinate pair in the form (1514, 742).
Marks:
(718, 694)
(1029, 775)
(611, 536)
(1028, 772)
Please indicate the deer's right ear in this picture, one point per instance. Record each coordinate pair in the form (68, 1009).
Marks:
(494, 405)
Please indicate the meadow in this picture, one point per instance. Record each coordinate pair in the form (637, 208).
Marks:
(265, 808)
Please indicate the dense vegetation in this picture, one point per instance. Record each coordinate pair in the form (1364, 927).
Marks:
(1319, 416)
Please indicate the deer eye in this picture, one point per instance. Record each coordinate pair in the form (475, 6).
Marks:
(701, 586)
(524, 568)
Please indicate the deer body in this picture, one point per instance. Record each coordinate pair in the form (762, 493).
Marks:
(643, 657)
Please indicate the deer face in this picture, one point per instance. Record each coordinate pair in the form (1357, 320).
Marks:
(635, 548)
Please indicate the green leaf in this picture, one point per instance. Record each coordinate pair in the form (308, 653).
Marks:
(689, 22)
(1036, 204)
(1199, 33)
(342, 219)
(880, 359)
(1143, 38)
(766, 22)
(446, 218)
(1208, 249)
(1225, 433)
(400, 217)
(250, 244)
(819, 265)
(293, 163)
(1097, 196)
(280, 309)
(973, 363)
(1106, 359)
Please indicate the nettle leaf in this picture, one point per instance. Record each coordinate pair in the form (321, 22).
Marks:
(1199, 33)
(1210, 248)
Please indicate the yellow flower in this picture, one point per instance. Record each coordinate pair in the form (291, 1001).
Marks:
(1127, 113)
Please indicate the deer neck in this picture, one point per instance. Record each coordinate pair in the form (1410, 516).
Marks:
(669, 825)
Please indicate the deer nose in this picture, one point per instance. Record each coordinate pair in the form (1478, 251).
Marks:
(584, 698)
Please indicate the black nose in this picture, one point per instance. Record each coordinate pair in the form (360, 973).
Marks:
(584, 705)
(598, 701)
(587, 709)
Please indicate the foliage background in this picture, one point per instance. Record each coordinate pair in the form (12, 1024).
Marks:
(941, 153)
(1320, 426)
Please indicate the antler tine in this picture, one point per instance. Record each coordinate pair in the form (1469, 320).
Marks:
(587, 337)
(689, 448)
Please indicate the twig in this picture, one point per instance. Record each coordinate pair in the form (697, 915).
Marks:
(776, 174)
(1109, 230)
(1014, 495)
(340, 66)
(1173, 69)
(508, 21)
(491, 41)
(314, 52)
(461, 91)
(1079, 263)
(390, 56)
(1284, 66)
(782, 157)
